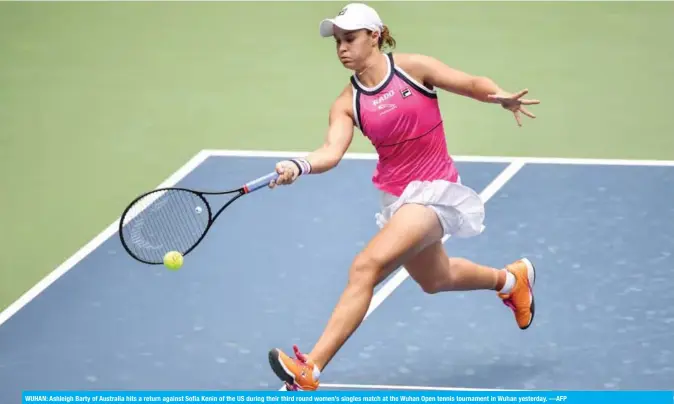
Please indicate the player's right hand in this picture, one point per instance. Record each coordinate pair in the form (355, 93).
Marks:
(288, 173)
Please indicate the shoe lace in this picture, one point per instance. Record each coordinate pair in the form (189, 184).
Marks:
(300, 357)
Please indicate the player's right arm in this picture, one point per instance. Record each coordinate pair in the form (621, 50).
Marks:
(335, 144)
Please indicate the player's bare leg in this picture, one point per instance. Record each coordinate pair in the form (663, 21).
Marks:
(410, 228)
(435, 272)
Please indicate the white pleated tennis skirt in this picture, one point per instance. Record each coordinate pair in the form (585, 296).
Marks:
(459, 208)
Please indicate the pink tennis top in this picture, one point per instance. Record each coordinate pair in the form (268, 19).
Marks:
(402, 119)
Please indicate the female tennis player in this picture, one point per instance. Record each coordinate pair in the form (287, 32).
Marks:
(392, 99)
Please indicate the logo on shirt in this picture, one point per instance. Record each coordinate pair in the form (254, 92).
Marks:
(406, 92)
(383, 98)
(386, 108)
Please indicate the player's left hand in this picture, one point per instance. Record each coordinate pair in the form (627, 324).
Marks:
(514, 103)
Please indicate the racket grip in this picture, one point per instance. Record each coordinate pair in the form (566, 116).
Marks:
(260, 182)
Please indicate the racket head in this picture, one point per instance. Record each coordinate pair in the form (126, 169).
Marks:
(163, 220)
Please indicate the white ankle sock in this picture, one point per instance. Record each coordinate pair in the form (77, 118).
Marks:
(509, 283)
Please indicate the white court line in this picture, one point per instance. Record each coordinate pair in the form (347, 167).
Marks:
(87, 249)
(66, 266)
(204, 154)
(469, 159)
(398, 387)
(401, 275)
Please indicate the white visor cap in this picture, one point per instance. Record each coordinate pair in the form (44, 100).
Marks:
(353, 17)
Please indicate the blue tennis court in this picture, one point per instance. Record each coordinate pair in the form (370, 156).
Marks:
(269, 273)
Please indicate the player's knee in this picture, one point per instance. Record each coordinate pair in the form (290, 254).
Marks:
(364, 270)
(437, 281)
(431, 286)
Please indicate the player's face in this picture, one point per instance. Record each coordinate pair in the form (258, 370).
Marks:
(354, 47)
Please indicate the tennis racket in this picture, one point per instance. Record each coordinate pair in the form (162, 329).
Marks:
(173, 219)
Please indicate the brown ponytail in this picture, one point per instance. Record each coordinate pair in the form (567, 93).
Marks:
(385, 39)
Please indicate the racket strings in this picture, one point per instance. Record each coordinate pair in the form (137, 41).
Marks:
(164, 221)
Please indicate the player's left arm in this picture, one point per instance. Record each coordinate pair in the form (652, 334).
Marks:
(438, 74)
(434, 72)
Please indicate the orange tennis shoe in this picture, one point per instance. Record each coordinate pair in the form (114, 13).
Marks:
(299, 373)
(521, 297)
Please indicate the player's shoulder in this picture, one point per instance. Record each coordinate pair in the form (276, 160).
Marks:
(411, 62)
(419, 67)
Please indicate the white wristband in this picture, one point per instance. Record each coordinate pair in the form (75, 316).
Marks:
(303, 165)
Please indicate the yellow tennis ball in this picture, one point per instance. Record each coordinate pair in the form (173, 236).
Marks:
(173, 260)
